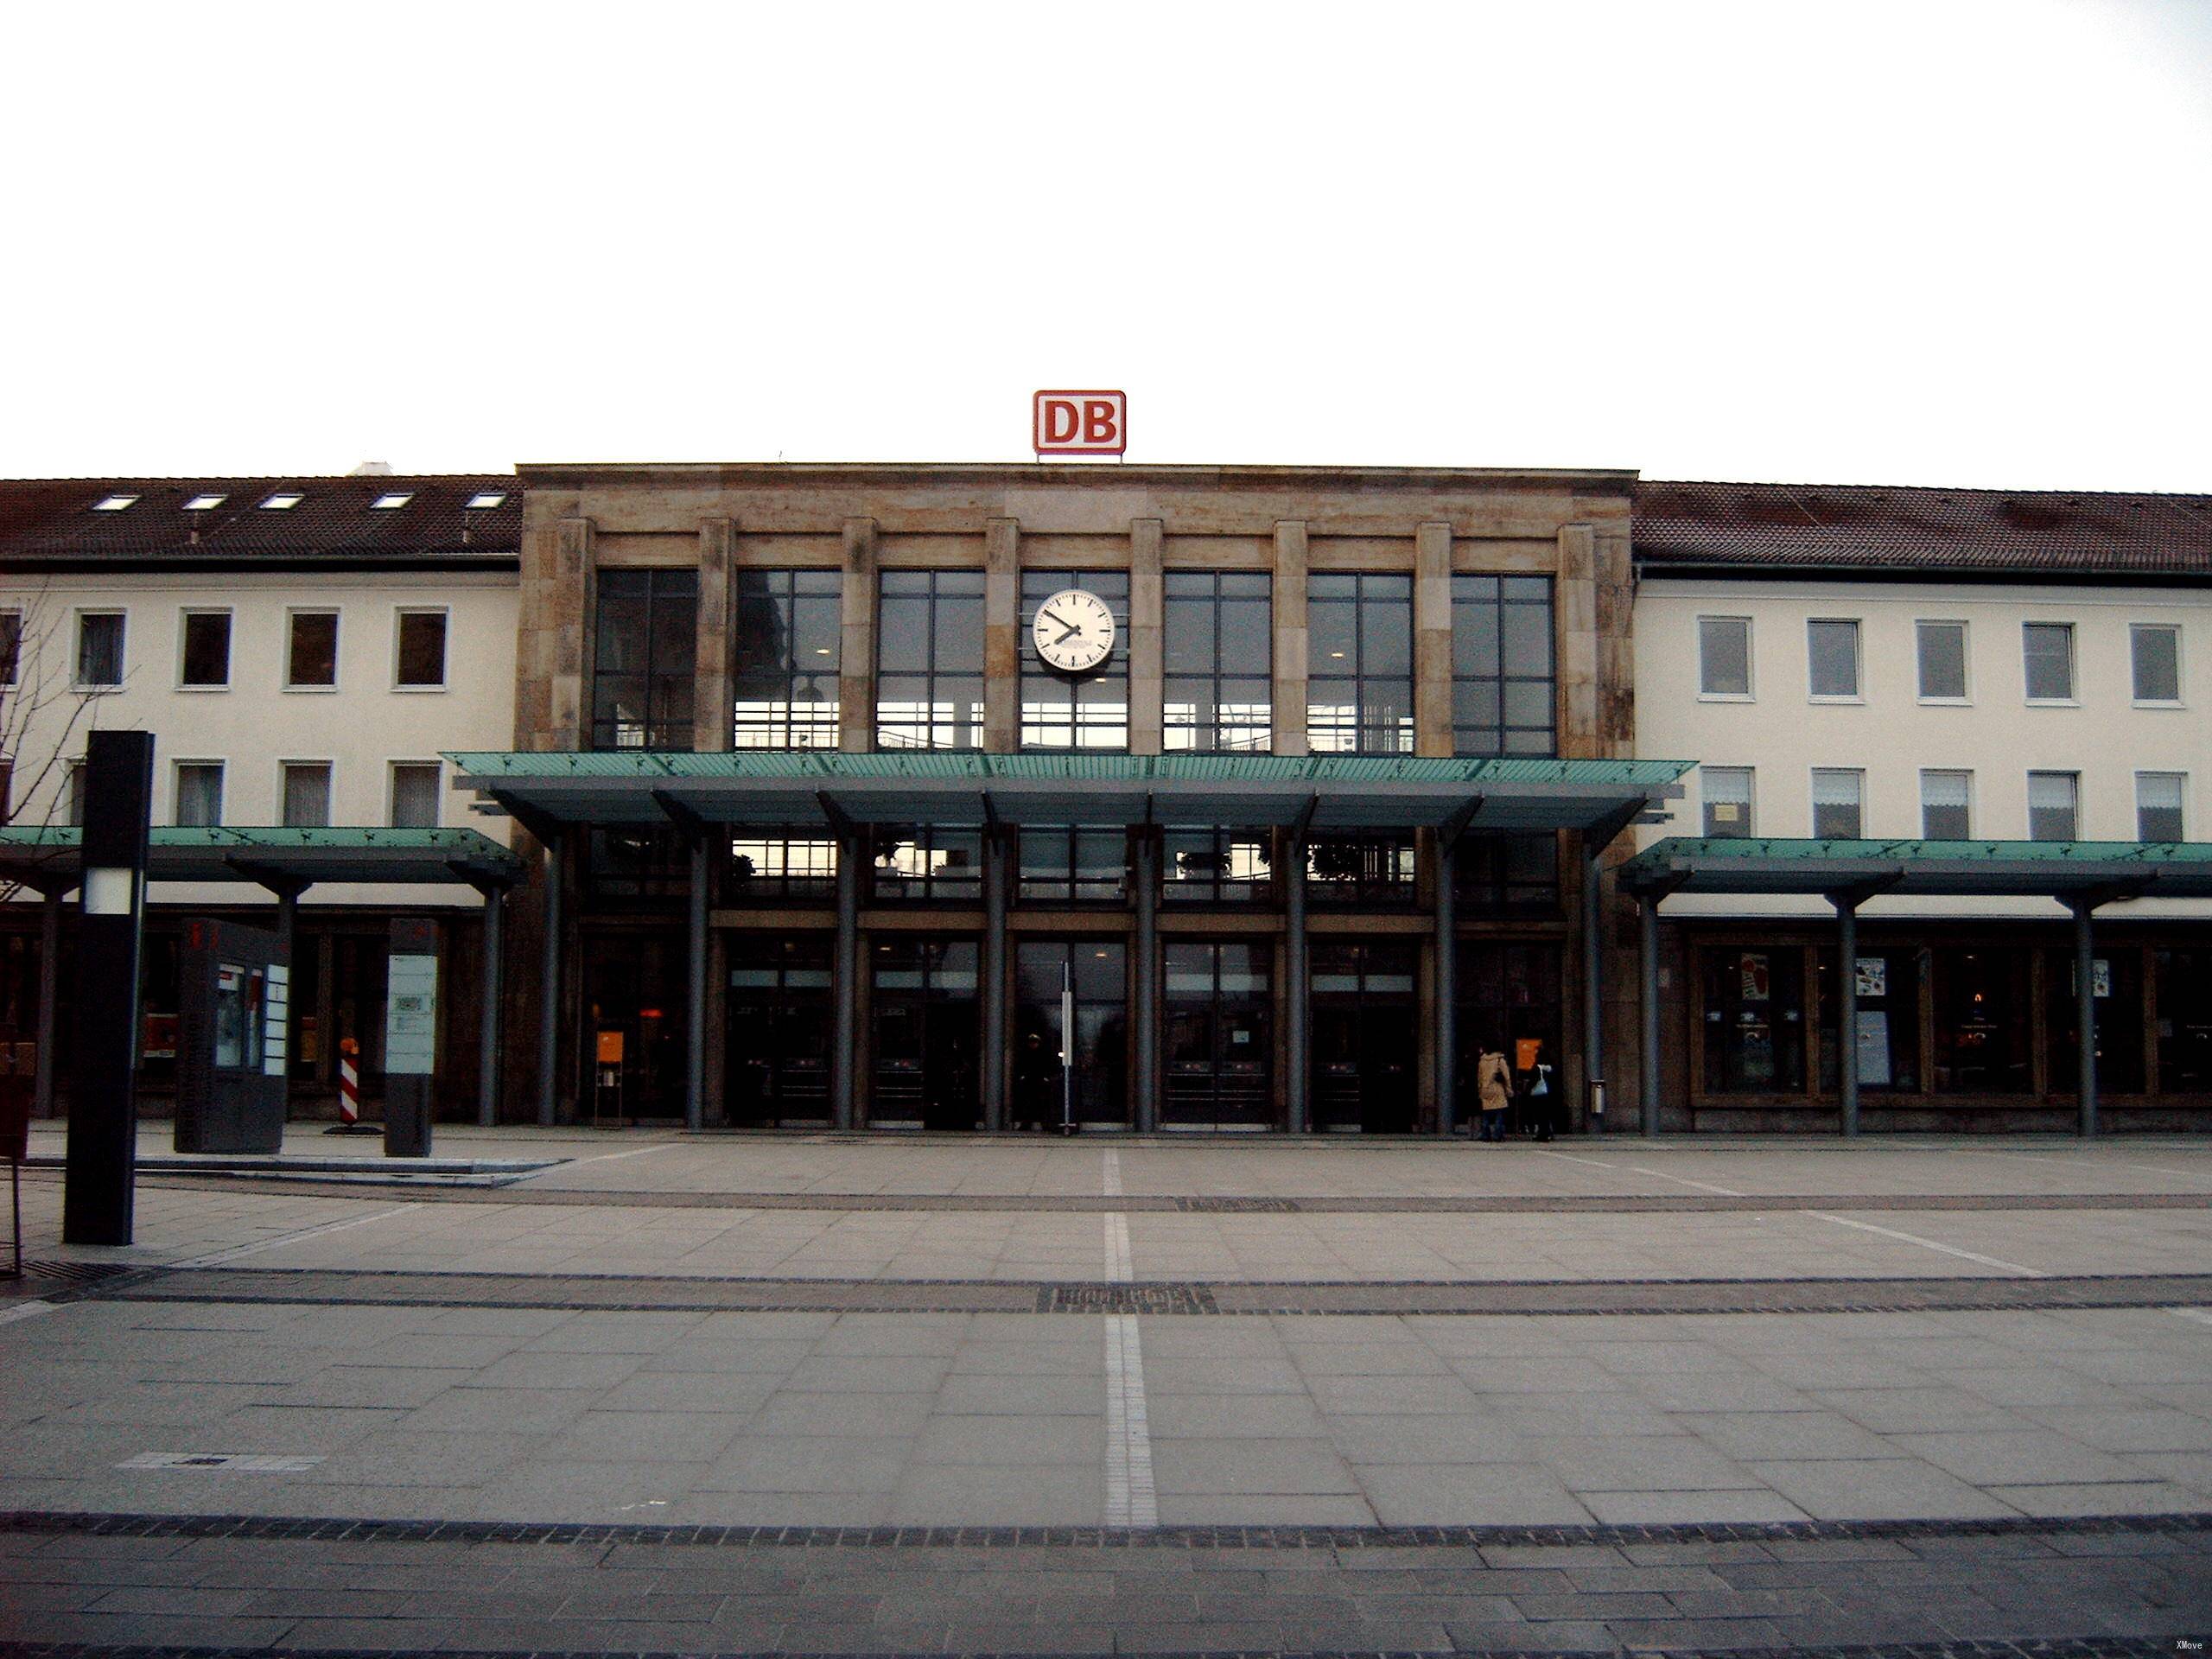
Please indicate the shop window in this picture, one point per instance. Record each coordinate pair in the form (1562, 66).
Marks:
(645, 654)
(1832, 657)
(420, 651)
(1946, 805)
(928, 862)
(207, 651)
(1889, 1020)
(1508, 1002)
(1501, 672)
(1068, 863)
(929, 686)
(415, 791)
(1216, 867)
(99, 650)
(1727, 791)
(199, 794)
(2154, 652)
(1364, 869)
(311, 651)
(1507, 875)
(1088, 711)
(1724, 657)
(779, 868)
(1218, 656)
(307, 794)
(1754, 1020)
(2054, 800)
(640, 862)
(2047, 653)
(790, 649)
(2158, 805)
(2116, 988)
(1359, 697)
(1838, 802)
(1982, 1035)
(1941, 649)
(2184, 1022)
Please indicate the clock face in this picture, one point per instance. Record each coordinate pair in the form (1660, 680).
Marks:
(1074, 630)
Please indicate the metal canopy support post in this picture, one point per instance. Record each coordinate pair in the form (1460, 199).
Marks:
(695, 990)
(1846, 1025)
(2085, 1012)
(49, 990)
(1146, 986)
(1447, 974)
(1648, 988)
(844, 1052)
(1593, 982)
(548, 987)
(996, 1044)
(487, 1052)
(1294, 976)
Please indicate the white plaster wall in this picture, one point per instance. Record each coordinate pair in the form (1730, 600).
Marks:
(1890, 735)
(361, 726)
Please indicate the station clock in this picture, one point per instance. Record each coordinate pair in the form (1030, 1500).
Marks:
(1074, 632)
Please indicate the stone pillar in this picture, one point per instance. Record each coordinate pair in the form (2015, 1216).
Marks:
(1145, 986)
(1576, 590)
(574, 603)
(1001, 635)
(713, 711)
(1433, 639)
(1146, 608)
(856, 670)
(1290, 649)
(1593, 982)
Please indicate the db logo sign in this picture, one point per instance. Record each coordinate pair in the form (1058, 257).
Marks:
(1081, 422)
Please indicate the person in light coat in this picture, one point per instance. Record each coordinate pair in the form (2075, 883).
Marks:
(1494, 1087)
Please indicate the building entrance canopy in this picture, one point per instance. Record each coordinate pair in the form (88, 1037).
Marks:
(2070, 870)
(1319, 793)
(49, 856)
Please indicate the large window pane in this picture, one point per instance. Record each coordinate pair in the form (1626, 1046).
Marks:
(198, 793)
(1089, 711)
(415, 794)
(1946, 805)
(421, 649)
(1727, 791)
(2155, 650)
(312, 660)
(99, 648)
(1724, 656)
(1942, 651)
(1503, 692)
(789, 646)
(2158, 805)
(2053, 800)
(1837, 801)
(645, 655)
(1754, 1020)
(307, 794)
(930, 648)
(1831, 649)
(1217, 653)
(1359, 673)
(206, 650)
(2116, 988)
(1982, 1021)
(2048, 653)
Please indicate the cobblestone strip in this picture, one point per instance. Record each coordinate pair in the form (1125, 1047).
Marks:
(1130, 1498)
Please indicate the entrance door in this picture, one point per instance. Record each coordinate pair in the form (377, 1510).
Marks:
(1099, 1089)
(1365, 1031)
(1220, 1037)
(633, 1037)
(926, 1034)
(777, 1036)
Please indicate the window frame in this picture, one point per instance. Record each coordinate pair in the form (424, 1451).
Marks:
(1706, 803)
(1921, 693)
(122, 615)
(399, 615)
(292, 615)
(1206, 729)
(933, 671)
(1031, 673)
(806, 885)
(393, 767)
(1405, 731)
(2135, 631)
(1925, 773)
(1507, 603)
(2075, 778)
(285, 767)
(775, 731)
(2072, 699)
(184, 617)
(1750, 693)
(656, 683)
(2180, 809)
(221, 769)
(11, 646)
(1858, 692)
(1814, 774)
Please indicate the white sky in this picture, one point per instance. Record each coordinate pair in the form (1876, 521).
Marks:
(1932, 242)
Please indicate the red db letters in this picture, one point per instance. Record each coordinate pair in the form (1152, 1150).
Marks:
(1081, 423)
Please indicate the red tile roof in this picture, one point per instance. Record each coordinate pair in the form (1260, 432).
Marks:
(55, 520)
(1808, 527)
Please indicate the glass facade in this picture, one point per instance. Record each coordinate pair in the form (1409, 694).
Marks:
(789, 644)
(1983, 1038)
(1218, 1010)
(1376, 869)
(772, 869)
(1217, 655)
(1506, 875)
(927, 862)
(1216, 867)
(1502, 691)
(1095, 1088)
(1359, 670)
(929, 635)
(1088, 711)
(1754, 1020)
(1070, 864)
(646, 654)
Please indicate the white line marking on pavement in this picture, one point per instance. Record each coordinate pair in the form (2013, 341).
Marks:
(29, 1311)
(1118, 1270)
(1131, 1500)
(1572, 1158)
(1111, 1177)
(2062, 1159)
(221, 1256)
(1931, 1244)
(2196, 1313)
(609, 1157)
(1704, 1186)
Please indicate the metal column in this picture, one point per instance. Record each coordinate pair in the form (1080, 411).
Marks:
(695, 991)
(1294, 974)
(487, 1045)
(548, 987)
(997, 1044)
(1846, 1025)
(844, 1055)
(49, 989)
(1447, 1000)
(2085, 1013)
(1147, 985)
(1647, 989)
(1594, 984)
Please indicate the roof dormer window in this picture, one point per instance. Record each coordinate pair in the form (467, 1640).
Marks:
(487, 498)
(394, 499)
(284, 501)
(113, 503)
(203, 502)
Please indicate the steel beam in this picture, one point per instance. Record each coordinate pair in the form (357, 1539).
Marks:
(1147, 984)
(549, 985)
(1296, 1103)
(1447, 975)
(845, 981)
(1648, 990)
(997, 1043)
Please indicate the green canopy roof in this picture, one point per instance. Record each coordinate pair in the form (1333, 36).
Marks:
(47, 856)
(808, 788)
(2053, 869)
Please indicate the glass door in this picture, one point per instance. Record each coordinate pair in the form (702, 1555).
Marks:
(777, 1019)
(1099, 1089)
(1364, 1028)
(927, 1034)
(1220, 1033)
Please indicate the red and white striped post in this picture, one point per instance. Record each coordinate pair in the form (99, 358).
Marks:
(349, 1088)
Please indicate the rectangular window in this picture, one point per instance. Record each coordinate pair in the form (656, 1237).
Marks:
(774, 867)
(2155, 651)
(12, 646)
(929, 684)
(636, 863)
(2054, 803)
(73, 794)
(1217, 629)
(1208, 866)
(2047, 648)
(1946, 805)
(207, 664)
(99, 649)
(1376, 869)
(2158, 805)
(1942, 651)
(1090, 711)
(646, 647)
(1724, 656)
(1832, 655)
(307, 794)
(1728, 800)
(790, 647)
(1502, 674)
(1064, 862)
(311, 660)
(420, 658)
(415, 794)
(1359, 685)
(199, 794)
(1507, 875)
(1838, 802)
(1983, 1006)
(927, 861)
(1754, 1024)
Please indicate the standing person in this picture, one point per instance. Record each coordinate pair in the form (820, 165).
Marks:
(1542, 1102)
(1494, 1083)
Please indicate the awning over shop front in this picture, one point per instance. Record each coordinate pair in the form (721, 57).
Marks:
(2101, 871)
(47, 857)
(821, 788)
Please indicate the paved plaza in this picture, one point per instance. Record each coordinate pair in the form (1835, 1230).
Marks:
(579, 1393)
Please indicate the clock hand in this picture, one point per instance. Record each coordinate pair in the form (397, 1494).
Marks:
(1053, 616)
(1071, 628)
